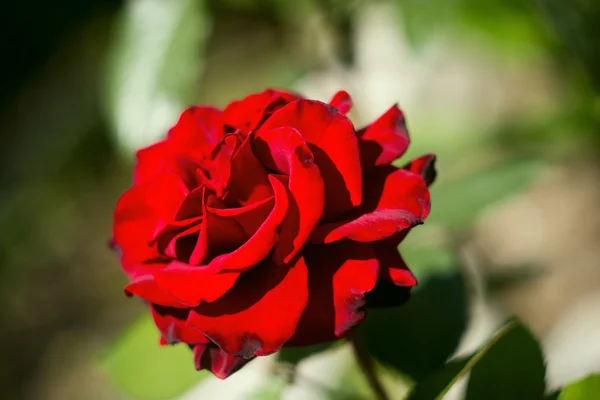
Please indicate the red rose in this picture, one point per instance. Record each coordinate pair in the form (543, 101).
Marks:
(271, 223)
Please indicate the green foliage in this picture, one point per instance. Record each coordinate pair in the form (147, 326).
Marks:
(458, 202)
(512, 368)
(147, 371)
(585, 389)
(513, 27)
(152, 65)
(429, 388)
(509, 366)
(272, 390)
(293, 355)
(408, 338)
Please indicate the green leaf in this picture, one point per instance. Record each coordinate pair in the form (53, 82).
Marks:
(144, 369)
(457, 203)
(152, 64)
(511, 368)
(418, 337)
(584, 389)
(293, 355)
(508, 366)
(430, 387)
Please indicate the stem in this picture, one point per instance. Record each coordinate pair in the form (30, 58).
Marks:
(366, 365)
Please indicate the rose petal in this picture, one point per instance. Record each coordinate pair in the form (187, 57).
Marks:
(249, 113)
(191, 285)
(395, 200)
(259, 314)
(342, 101)
(140, 213)
(395, 279)
(248, 179)
(284, 150)
(150, 162)
(333, 143)
(219, 235)
(171, 324)
(197, 132)
(215, 360)
(384, 140)
(145, 287)
(424, 166)
(259, 245)
(340, 274)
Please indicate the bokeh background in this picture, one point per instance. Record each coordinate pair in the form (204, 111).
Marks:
(504, 91)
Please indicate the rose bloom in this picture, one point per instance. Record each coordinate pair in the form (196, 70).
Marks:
(270, 223)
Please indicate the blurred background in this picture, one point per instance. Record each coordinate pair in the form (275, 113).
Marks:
(504, 91)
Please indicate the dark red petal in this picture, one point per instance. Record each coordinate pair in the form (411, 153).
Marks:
(395, 200)
(395, 279)
(384, 140)
(424, 166)
(171, 324)
(259, 314)
(248, 180)
(191, 285)
(284, 150)
(215, 360)
(333, 143)
(218, 235)
(339, 276)
(261, 242)
(249, 113)
(173, 241)
(197, 132)
(150, 162)
(342, 101)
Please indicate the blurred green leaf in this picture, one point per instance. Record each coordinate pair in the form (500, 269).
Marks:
(154, 60)
(576, 23)
(354, 385)
(457, 203)
(511, 367)
(585, 389)
(409, 337)
(293, 355)
(508, 366)
(513, 27)
(147, 371)
(430, 387)
(272, 390)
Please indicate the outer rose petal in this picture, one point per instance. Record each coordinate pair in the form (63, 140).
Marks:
(140, 213)
(150, 162)
(145, 286)
(215, 360)
(424, 166)
(396, 200)
(191, 285)
(197, 132)
(259, 314)
(342, 101)
(340, 274)
(284, 150)
(171, 324)
(333, 142)
(384, 140)
(249, 113)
